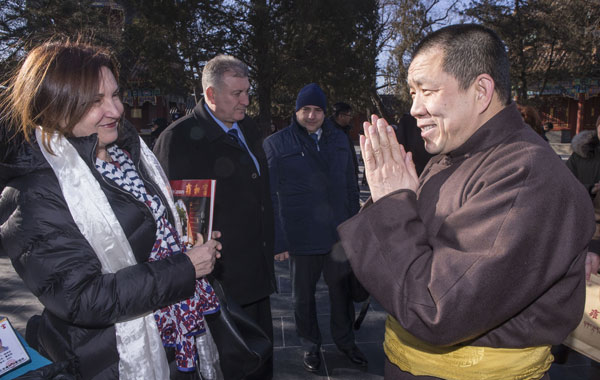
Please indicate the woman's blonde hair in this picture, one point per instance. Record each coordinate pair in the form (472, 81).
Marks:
(55, 87)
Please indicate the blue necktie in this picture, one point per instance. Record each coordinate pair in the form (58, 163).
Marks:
(233, 135)
(315, 137)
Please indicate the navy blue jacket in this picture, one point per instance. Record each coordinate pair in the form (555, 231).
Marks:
(313, 191)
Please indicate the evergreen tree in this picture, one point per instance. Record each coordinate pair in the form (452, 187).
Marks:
(165, 44)
(289, 43)
(547, 40)
(410, 21)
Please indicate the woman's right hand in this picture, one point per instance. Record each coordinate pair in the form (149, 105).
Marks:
(203, 255)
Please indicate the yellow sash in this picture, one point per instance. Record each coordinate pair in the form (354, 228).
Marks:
(413, 355)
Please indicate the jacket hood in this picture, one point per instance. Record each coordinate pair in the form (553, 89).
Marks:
(19, 158)
(585, 144)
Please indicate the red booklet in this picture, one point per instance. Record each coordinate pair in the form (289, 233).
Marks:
(194, 201)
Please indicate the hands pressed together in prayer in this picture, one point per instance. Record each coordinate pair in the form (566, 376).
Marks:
(388, 166)
(204, 255)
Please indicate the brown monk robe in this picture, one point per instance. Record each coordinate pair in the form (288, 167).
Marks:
(481, 260)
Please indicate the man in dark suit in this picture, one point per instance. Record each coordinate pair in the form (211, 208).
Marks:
(218, 141)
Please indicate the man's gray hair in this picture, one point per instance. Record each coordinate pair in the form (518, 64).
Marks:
(215, 69)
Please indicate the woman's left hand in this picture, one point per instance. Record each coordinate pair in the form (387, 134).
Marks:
(203, 255)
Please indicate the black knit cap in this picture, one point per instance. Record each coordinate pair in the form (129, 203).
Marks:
(311, 95)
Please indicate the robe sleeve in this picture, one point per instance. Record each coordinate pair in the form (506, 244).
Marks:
(515, 235)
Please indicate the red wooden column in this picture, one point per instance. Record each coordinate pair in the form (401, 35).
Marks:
(579, 125)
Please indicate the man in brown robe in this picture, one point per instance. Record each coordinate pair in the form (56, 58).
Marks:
(479, 261)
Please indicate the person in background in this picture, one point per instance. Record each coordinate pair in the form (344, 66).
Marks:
(482, 256)
(313, 187)
(219, 141)
(342, 120)
(584, 163)
(532, 118)
(158, 126)
(547, 127)
(88, 223)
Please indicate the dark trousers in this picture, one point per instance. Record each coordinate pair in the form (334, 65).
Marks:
(392, 372)
(260, 312)
(306, 271)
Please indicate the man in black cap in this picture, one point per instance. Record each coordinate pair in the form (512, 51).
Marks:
(313, 188)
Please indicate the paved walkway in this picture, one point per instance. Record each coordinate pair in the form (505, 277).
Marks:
(16, 301)
(334, 364)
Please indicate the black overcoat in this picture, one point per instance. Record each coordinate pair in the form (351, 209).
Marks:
(196, 147)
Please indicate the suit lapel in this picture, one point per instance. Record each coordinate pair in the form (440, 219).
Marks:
(213, 131)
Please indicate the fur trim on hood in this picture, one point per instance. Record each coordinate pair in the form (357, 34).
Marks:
(585, 144)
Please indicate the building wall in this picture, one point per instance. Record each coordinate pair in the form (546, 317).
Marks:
(563, 112)
(146, 112)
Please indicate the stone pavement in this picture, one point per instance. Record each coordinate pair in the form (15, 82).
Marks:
(16, 301)
(334, 365)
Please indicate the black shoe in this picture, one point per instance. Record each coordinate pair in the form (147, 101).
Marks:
(312, 361)
(356, 356)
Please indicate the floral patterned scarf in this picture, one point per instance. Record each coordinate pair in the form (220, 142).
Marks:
(179, 323)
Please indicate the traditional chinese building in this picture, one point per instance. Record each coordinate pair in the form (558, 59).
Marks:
(571, 105)
(142, 104)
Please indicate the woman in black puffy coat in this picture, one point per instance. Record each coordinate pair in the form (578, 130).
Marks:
(85, 217)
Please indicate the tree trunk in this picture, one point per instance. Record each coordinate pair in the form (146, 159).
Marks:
(261, 42)
(380, 107)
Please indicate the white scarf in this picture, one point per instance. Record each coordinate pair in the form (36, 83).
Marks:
(141, 352)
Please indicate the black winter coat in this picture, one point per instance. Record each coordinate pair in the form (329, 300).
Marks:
(585, 160)
(59, 266)
(196, 147)
(312, 191)
(346, 129)
(584, 163)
